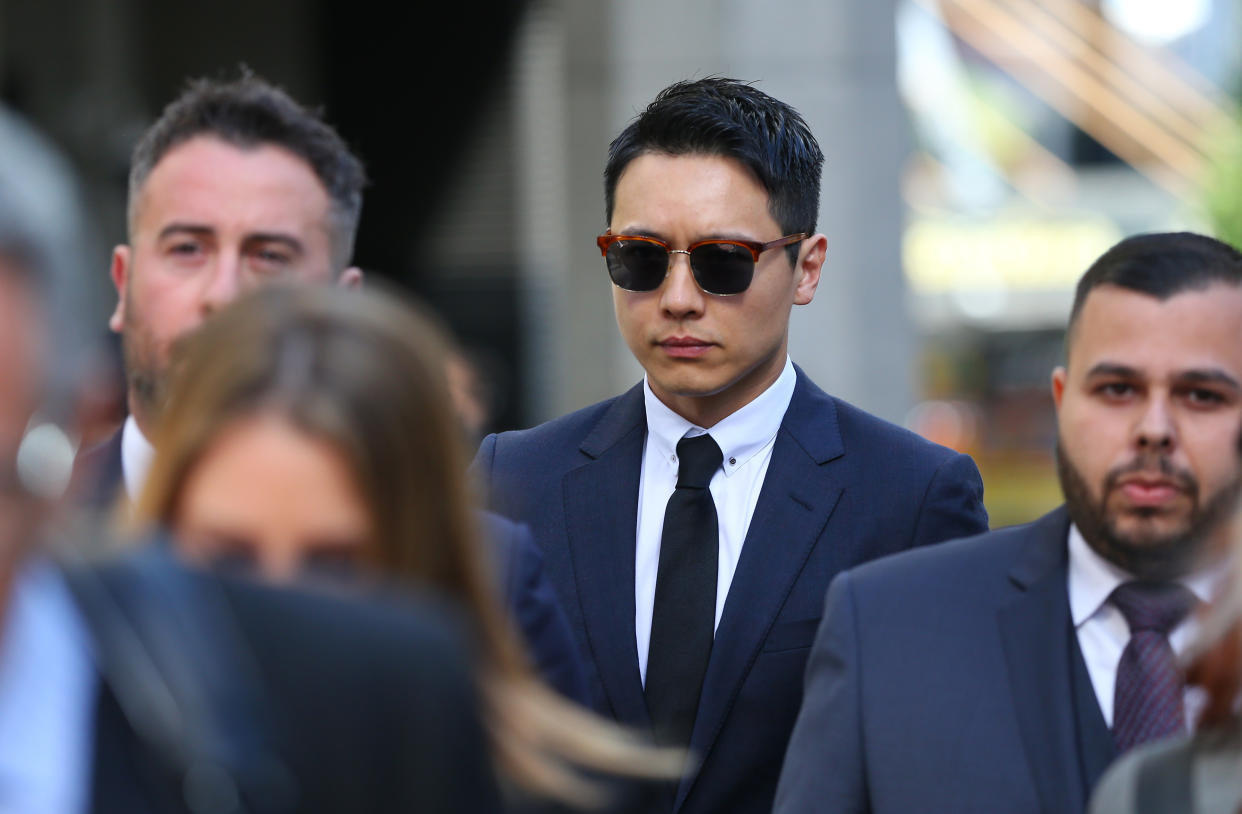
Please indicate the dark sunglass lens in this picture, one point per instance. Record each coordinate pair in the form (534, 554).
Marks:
(722, 268)
(637, 265)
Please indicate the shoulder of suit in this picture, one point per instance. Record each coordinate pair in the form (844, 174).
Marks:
(952, 564)
(375, 614)
(568, 429)
(380, 621)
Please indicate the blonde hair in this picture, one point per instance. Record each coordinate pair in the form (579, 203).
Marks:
(364, 372)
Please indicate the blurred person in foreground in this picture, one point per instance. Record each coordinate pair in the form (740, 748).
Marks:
(1006, 671)
(308, 453)
(691, 525)
(234, 186)
(134, 685)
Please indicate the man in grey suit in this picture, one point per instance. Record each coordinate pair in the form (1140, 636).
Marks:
(1005, 671)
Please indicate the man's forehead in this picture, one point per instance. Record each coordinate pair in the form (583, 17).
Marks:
(1195, 328)
(206, 178)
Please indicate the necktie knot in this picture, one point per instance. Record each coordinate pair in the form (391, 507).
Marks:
(1154, 606)
(698, 458)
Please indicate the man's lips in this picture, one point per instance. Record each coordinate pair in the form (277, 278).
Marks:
(685, 347)
(1149, 491)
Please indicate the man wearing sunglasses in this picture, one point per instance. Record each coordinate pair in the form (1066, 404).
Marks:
(692, 524)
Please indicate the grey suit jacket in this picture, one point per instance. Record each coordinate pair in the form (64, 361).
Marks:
(949, 679)
(1197, 775)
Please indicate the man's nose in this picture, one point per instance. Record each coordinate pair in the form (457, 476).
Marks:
(1156, 428)
(223, 285)
(680, 295)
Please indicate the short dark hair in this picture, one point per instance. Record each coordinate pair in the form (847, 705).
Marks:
(729, 118)
(250, 112)
(1160, 265)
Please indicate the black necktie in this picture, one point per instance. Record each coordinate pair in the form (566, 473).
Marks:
(1147, 699)
(683, 616)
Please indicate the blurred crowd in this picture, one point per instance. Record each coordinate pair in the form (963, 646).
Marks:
(271, 579)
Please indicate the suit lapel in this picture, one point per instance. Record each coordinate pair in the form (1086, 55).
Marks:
(794, 505)
(120, 779)
(601, 512)
(1039, 644)
(99, 473)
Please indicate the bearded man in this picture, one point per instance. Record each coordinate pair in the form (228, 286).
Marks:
(1004, 672)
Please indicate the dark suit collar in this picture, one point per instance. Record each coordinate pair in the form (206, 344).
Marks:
(601, 511)
(99, 473)
(1047, 553)
(811, 419)
(1045, 671)
(620, 419)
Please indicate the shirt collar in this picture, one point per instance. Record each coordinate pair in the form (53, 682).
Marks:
(136, 456)
(1092, 579)
(740, 435)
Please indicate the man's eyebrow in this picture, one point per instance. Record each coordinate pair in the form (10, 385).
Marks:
(1208, 376)
(732, 236)
(274, 237)
(639, 231)
(1113, 369)
(177, 227)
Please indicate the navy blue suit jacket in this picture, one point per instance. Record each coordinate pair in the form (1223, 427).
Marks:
(842, 487)
(528, 595)
(943, 680)
(534, 607)
(294, 702)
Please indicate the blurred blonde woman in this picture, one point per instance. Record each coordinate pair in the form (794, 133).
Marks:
(312, 428)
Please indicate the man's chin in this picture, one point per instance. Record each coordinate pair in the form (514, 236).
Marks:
(1138, 536)
(1151, 547)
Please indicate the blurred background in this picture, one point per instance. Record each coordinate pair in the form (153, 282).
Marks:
(980, 154)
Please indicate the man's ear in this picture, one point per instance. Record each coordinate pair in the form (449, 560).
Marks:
(1058, 385)
(350, 278)
(809, 266)
(122, 257)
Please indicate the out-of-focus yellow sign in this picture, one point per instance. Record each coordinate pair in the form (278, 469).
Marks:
(946, 255)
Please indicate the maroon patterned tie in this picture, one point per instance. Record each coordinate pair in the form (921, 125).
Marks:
(1147, 700)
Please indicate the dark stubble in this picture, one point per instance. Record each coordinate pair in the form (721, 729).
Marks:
(1146, 555)
(144, 373)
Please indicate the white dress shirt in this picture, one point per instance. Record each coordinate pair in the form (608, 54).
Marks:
(746, 438)
(47, 698)
(136, 456)
(1102, 629)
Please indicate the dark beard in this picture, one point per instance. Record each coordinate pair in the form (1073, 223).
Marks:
(145, 377)
(1151, 557)
(146, 385)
